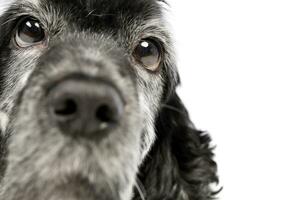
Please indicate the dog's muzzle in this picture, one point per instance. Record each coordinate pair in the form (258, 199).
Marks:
(85, 107)
(74, 122)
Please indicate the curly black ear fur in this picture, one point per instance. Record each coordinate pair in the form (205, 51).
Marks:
(180, 165)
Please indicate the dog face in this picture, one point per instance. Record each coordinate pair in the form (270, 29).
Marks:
(81, 81)
(83, 84)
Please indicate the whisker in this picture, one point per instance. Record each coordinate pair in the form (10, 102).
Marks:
(8, 20)
(141, 190)
(101, 15)
(90, 13)
(173, 109)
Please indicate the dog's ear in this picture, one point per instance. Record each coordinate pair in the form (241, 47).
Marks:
(180, 165)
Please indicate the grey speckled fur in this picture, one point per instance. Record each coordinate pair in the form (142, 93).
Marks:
(96, 39)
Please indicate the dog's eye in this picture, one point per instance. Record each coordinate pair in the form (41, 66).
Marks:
(148, 53)
(29, 33)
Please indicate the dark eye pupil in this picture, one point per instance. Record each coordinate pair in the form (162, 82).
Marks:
(30, 31)
(147, 53)
(146, 49)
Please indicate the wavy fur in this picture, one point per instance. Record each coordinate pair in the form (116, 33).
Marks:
(180, 166)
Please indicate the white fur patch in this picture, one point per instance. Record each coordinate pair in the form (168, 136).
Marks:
(149, 136)
(3, 122)
(24, 79)
(4, 4)
(35, 2)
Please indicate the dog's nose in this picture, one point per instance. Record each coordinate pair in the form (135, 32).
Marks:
(85, 107)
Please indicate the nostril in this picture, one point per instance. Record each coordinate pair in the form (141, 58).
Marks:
(65, 107)
(105, 114)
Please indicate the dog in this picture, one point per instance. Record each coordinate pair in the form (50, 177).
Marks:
(89, 108)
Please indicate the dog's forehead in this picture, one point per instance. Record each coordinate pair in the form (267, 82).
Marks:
(134, 6)
(95, 15)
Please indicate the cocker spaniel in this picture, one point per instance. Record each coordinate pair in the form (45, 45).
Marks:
(88, 105)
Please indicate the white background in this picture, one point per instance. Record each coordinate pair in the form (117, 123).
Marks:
(239, 63)
(240, 68)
